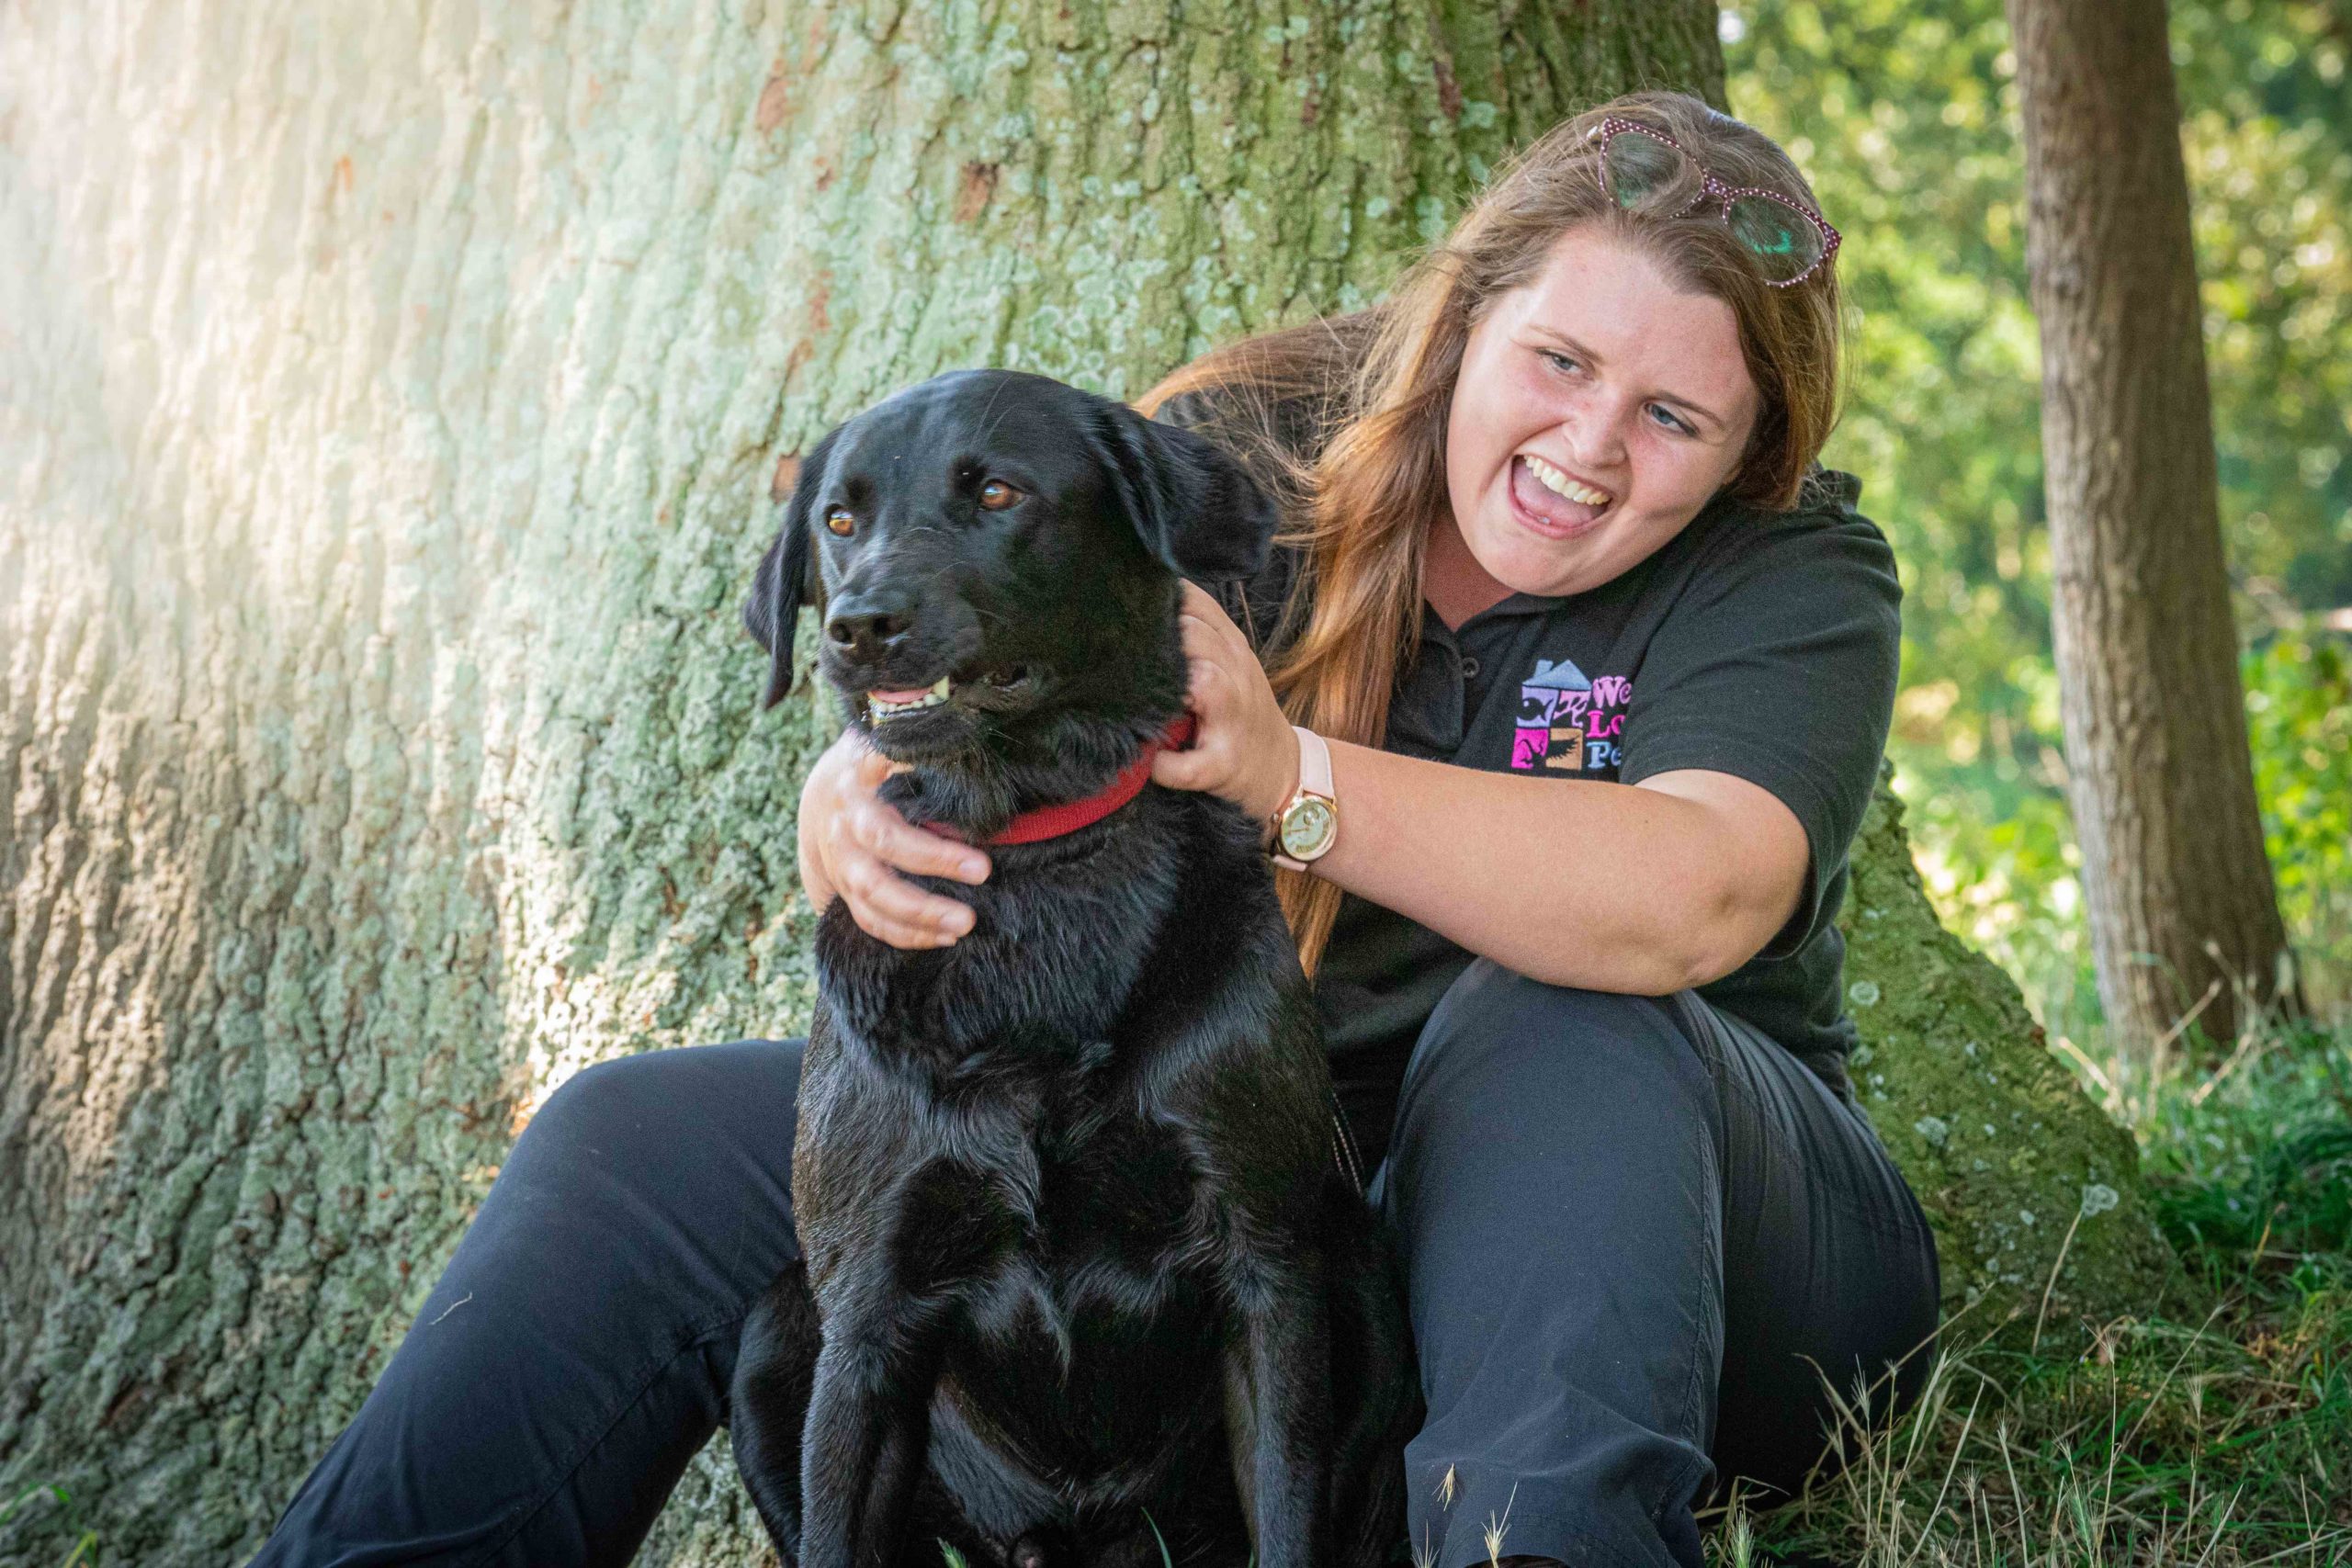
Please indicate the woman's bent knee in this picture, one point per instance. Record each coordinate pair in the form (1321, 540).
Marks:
(1579, 1053)
(677, 1164)
(645, 1095)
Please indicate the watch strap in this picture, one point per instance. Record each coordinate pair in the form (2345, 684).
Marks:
(1315, 779)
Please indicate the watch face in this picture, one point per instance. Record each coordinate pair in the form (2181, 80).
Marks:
(1306, 827)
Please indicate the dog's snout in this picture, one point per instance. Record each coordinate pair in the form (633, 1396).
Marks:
(870, 624)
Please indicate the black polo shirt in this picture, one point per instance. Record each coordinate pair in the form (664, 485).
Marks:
(1760, 644)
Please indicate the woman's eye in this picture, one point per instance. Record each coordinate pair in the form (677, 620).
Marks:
(995, 495)
(838, 520)
(1667, 417)
(1559, 362)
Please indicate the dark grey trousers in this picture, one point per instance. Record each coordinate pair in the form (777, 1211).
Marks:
(1638, 1233)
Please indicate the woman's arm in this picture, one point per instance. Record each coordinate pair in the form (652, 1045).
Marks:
(1642, 889)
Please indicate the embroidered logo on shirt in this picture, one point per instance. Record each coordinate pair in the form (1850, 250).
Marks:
(1567, 722)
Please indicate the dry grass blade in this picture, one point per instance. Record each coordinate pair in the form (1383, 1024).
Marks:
(1497, 1528)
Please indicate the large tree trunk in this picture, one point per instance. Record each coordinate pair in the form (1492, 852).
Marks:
(2182, 914)
(389, 399)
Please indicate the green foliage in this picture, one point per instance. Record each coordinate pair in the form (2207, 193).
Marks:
(2298, 707)
(1906, 119)
(2267, 115)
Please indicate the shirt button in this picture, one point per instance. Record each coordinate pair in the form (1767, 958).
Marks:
(1469, 669)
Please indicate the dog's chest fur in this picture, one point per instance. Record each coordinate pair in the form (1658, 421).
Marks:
(1001, 1128)
(1059, 939)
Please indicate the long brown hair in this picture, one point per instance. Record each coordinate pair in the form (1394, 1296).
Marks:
(1377, 387)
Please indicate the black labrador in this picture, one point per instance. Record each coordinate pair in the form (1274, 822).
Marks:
(1088, 1273)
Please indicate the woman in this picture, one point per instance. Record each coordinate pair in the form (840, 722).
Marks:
(1603, 666)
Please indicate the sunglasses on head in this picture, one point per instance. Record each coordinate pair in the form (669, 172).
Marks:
(1644, 170)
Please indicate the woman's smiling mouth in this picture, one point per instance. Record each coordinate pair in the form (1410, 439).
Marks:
(1560, 483)
(1552, 504)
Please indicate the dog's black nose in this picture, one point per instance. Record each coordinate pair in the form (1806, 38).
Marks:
(869, 624)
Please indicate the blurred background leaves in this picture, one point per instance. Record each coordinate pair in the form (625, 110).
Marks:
(1906, 123)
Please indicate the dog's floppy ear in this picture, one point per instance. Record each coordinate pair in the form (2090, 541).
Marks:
(788, 577)
(1198, 509)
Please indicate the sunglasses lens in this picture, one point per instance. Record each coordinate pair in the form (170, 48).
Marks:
(1647, 173)
(1786, 243)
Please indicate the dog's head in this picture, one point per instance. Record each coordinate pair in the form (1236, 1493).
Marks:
(995, 559)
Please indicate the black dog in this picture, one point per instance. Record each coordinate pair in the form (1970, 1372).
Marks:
(1085, 1273)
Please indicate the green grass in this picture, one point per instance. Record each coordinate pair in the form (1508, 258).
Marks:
(82, 1550)
(2226, 1441)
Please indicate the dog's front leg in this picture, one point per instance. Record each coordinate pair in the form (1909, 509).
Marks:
(868, 1436)
(768, 1403)
(1278, 1409)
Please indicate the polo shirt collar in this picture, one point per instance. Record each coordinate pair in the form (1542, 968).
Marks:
(1433, 626)
(1518, 604)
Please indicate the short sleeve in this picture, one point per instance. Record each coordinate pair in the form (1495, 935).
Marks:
(1777, 664)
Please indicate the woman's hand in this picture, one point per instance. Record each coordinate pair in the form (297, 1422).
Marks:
(854, 845)
(1243, 748)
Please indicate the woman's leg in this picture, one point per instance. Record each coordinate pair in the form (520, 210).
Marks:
(1614, 1209)
(577, 1352)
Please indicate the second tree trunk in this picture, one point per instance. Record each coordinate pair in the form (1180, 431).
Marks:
(2182, 910)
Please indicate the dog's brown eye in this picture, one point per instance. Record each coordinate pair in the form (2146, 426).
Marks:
(995, 495)
(839, 520)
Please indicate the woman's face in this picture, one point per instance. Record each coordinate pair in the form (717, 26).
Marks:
(1599, 407)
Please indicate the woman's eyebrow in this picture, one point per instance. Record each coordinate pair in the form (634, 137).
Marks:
(1676, 399)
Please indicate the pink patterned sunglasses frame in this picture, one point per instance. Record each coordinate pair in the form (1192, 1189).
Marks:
(1709, 185)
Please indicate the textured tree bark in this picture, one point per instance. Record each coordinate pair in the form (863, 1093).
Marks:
(389, 399)
(2178, 887)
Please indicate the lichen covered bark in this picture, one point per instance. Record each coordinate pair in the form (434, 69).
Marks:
(2040, 1223)
(390, 400)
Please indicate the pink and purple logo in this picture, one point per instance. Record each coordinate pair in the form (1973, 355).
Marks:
(1567, 722)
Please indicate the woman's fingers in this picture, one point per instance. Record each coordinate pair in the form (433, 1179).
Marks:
(1180, 770)
(871, 766)
(1198, 605)
(1202, 641)
(898, 843)
(869, 850)
(1209, 688)
(887, 906)
(884, 833)
(1209, 762)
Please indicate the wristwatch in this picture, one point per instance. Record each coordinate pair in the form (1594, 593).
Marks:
(1305, 828)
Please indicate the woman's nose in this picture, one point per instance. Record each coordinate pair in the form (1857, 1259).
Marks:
(1595, 437)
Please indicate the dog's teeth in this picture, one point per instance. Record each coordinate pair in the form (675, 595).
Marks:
(888, 708)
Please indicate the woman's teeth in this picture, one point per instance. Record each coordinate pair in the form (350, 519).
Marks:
(1559, 484)
(890, 705)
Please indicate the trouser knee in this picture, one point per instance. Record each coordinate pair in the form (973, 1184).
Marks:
(630, 1110)
(1504, 1051)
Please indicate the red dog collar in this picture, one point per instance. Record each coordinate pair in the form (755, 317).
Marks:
(1053, 821)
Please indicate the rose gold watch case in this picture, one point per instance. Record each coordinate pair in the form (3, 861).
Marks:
(1306, 827)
